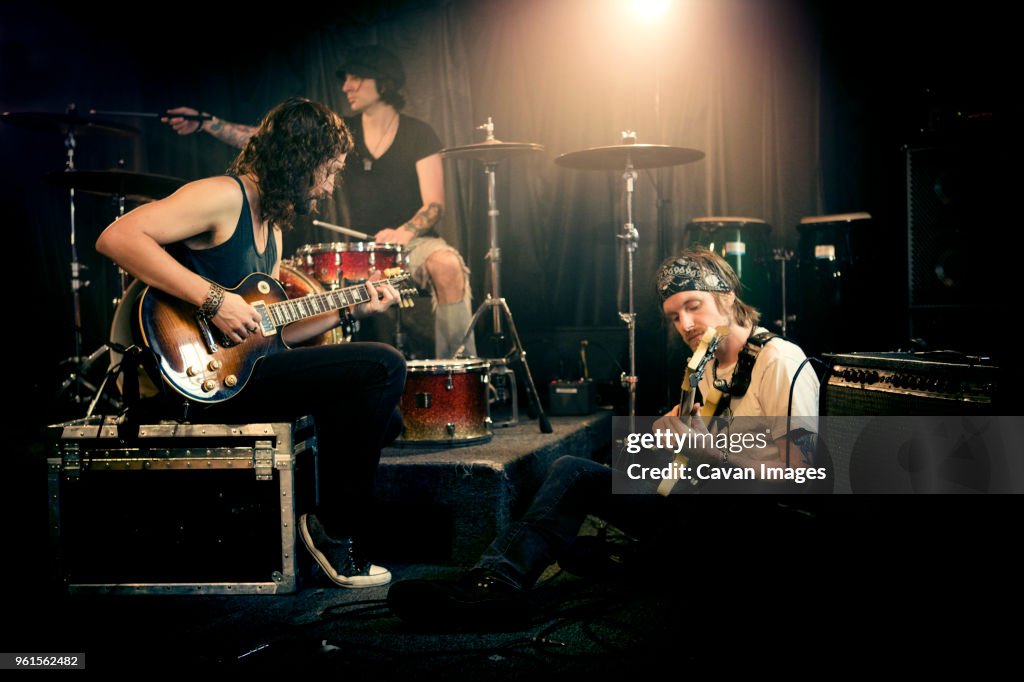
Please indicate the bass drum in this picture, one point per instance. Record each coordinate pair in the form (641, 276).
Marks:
(298, 284)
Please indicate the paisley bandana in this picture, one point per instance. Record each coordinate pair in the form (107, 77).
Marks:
(685, 275)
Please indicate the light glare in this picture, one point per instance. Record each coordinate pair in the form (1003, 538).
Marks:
(650, 10)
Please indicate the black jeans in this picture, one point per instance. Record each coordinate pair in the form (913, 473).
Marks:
(352, 391)
(573, 488)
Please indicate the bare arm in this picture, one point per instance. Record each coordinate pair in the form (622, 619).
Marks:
(234, 134)
(431, 178)
(202, 212)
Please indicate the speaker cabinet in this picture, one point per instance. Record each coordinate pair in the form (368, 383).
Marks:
(963, 239)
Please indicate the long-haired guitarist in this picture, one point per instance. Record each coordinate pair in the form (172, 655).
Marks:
(209, 237)
(698, 290)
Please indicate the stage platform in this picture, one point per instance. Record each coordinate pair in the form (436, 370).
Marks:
(444, 505)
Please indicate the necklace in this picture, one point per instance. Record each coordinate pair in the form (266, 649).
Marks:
(368, 160)
(722, 385)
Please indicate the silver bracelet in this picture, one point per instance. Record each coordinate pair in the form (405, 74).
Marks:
(213, 301)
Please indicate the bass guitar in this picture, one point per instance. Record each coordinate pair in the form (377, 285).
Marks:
(197, 362)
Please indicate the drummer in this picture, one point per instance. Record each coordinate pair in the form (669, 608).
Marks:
(393, 182)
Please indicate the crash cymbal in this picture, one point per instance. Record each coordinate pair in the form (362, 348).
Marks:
(56, 122)
(491, 151)
(639, 156)
(138, 187)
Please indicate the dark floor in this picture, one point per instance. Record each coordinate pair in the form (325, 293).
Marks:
(840, 582)
(846, 586)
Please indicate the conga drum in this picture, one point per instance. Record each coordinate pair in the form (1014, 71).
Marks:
(835, 274)
(745, 244)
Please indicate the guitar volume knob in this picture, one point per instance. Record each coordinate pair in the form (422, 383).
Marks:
(190, 371)
(209, 385)
(231, 380)
(214, 365)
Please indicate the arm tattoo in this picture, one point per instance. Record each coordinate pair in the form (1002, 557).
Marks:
(233, 134)
(422, 222)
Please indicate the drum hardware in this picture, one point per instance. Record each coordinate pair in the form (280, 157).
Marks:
(783, 257)
(503, 397)
(70, 124)
(629, 157)
(491, 152)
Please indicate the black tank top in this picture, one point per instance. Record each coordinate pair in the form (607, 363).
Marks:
(229, 263)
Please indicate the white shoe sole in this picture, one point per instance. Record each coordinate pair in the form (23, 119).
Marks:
(377, 574)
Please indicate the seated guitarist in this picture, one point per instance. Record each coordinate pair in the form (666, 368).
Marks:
(218, 231)
(698, 291)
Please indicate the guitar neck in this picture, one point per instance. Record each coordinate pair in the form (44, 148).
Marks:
(295, 309)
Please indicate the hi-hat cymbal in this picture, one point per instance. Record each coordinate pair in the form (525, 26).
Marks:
(137, 187)
(618, 157)
(55, 122)
(491, 151)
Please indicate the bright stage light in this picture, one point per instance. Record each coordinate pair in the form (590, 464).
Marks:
(650, 10)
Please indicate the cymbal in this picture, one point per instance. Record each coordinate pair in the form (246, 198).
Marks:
(491, 151)
(137, 187)
(56, 122)
(617, 157)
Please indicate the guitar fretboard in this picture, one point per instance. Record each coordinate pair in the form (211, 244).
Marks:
(295, 309)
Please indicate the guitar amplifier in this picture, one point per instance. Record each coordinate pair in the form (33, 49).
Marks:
(875, 406)
(907, 384)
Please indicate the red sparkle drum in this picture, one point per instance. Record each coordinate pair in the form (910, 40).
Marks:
(337, 264)
(296, 285)
(445, 403)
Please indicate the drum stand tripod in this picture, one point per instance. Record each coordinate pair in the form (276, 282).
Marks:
(76, 382)
(491, 151)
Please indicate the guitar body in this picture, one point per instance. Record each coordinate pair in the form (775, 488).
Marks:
(187, 362)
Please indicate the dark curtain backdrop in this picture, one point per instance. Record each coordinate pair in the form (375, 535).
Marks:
(785, 117)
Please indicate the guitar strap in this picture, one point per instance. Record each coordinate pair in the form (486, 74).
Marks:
(744, 370)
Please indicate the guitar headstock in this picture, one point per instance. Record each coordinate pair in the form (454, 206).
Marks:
(396, 275)
(406, 295)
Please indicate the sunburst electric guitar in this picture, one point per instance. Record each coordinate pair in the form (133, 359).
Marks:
(691, 378)
(195, 360)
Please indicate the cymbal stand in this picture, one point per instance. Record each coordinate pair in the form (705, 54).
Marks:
(494, 301)
(81, 365)
(630, 239)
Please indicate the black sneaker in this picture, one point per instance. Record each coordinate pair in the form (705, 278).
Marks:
(481, 599)
(338, 557)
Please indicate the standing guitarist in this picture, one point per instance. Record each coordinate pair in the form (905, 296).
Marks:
(699, 293)
(218, 231)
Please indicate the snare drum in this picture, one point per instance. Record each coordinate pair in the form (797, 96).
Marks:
(322, 262)
(359, 260)
(445, 403)
(296, 285)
